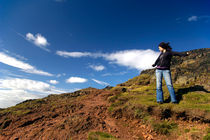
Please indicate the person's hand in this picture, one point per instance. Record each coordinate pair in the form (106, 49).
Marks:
(153, 65)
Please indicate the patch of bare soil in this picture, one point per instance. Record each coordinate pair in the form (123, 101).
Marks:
(87, 113)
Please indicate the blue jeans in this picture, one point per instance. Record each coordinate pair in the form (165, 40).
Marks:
(167, 76)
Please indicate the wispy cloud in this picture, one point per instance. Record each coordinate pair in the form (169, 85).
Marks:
(101, 82)
(14, 54)
(4, 58)
(197, 18)
(11, 61)
(111, 74)
(38, 72)
(8, 73)
(59, 75)
(76, 80)
(73, 54)
(15, 90)
(193, 18)
(137, 59)
(97, 67)
(38, 40)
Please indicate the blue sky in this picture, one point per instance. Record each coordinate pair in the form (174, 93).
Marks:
(57, 46)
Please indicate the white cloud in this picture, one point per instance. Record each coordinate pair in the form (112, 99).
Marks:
(101, 82)
(193, 18)
(54, 82)
(137, 59)
(12, 97)
(24, 84)
(11, 61)
(38, 40)
(73, 54)
(38, 72)
(79, 54)
(97, 67)
(16, 90)
(4, 58)
(76, 80)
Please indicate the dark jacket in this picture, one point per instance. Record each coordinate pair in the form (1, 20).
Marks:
(164, 60)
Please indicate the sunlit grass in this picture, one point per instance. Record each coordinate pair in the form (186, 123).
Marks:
(100, 136)
(145, 95)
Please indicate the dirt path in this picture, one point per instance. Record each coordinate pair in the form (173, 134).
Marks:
(96, 105)
(74, 121)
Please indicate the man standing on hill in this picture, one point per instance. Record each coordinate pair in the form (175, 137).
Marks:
(163, 63)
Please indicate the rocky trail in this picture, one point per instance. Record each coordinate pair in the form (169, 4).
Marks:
(96, 109)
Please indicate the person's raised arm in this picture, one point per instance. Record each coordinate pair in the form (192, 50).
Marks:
(180, 53)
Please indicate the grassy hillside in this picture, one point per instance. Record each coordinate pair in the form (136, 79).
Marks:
(136, 98)
(127, 111)
(190, 78)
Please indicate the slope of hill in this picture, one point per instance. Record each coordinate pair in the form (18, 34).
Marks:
(190, 76)
(127, 111)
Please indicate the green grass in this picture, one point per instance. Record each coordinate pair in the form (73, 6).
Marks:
(146, 96)
(197, 98)
(140, 114)
(112, 98)
(100, 136)
(187, 130)
(164, 127)
(24, 108)
(139, 98)
(207, 136)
